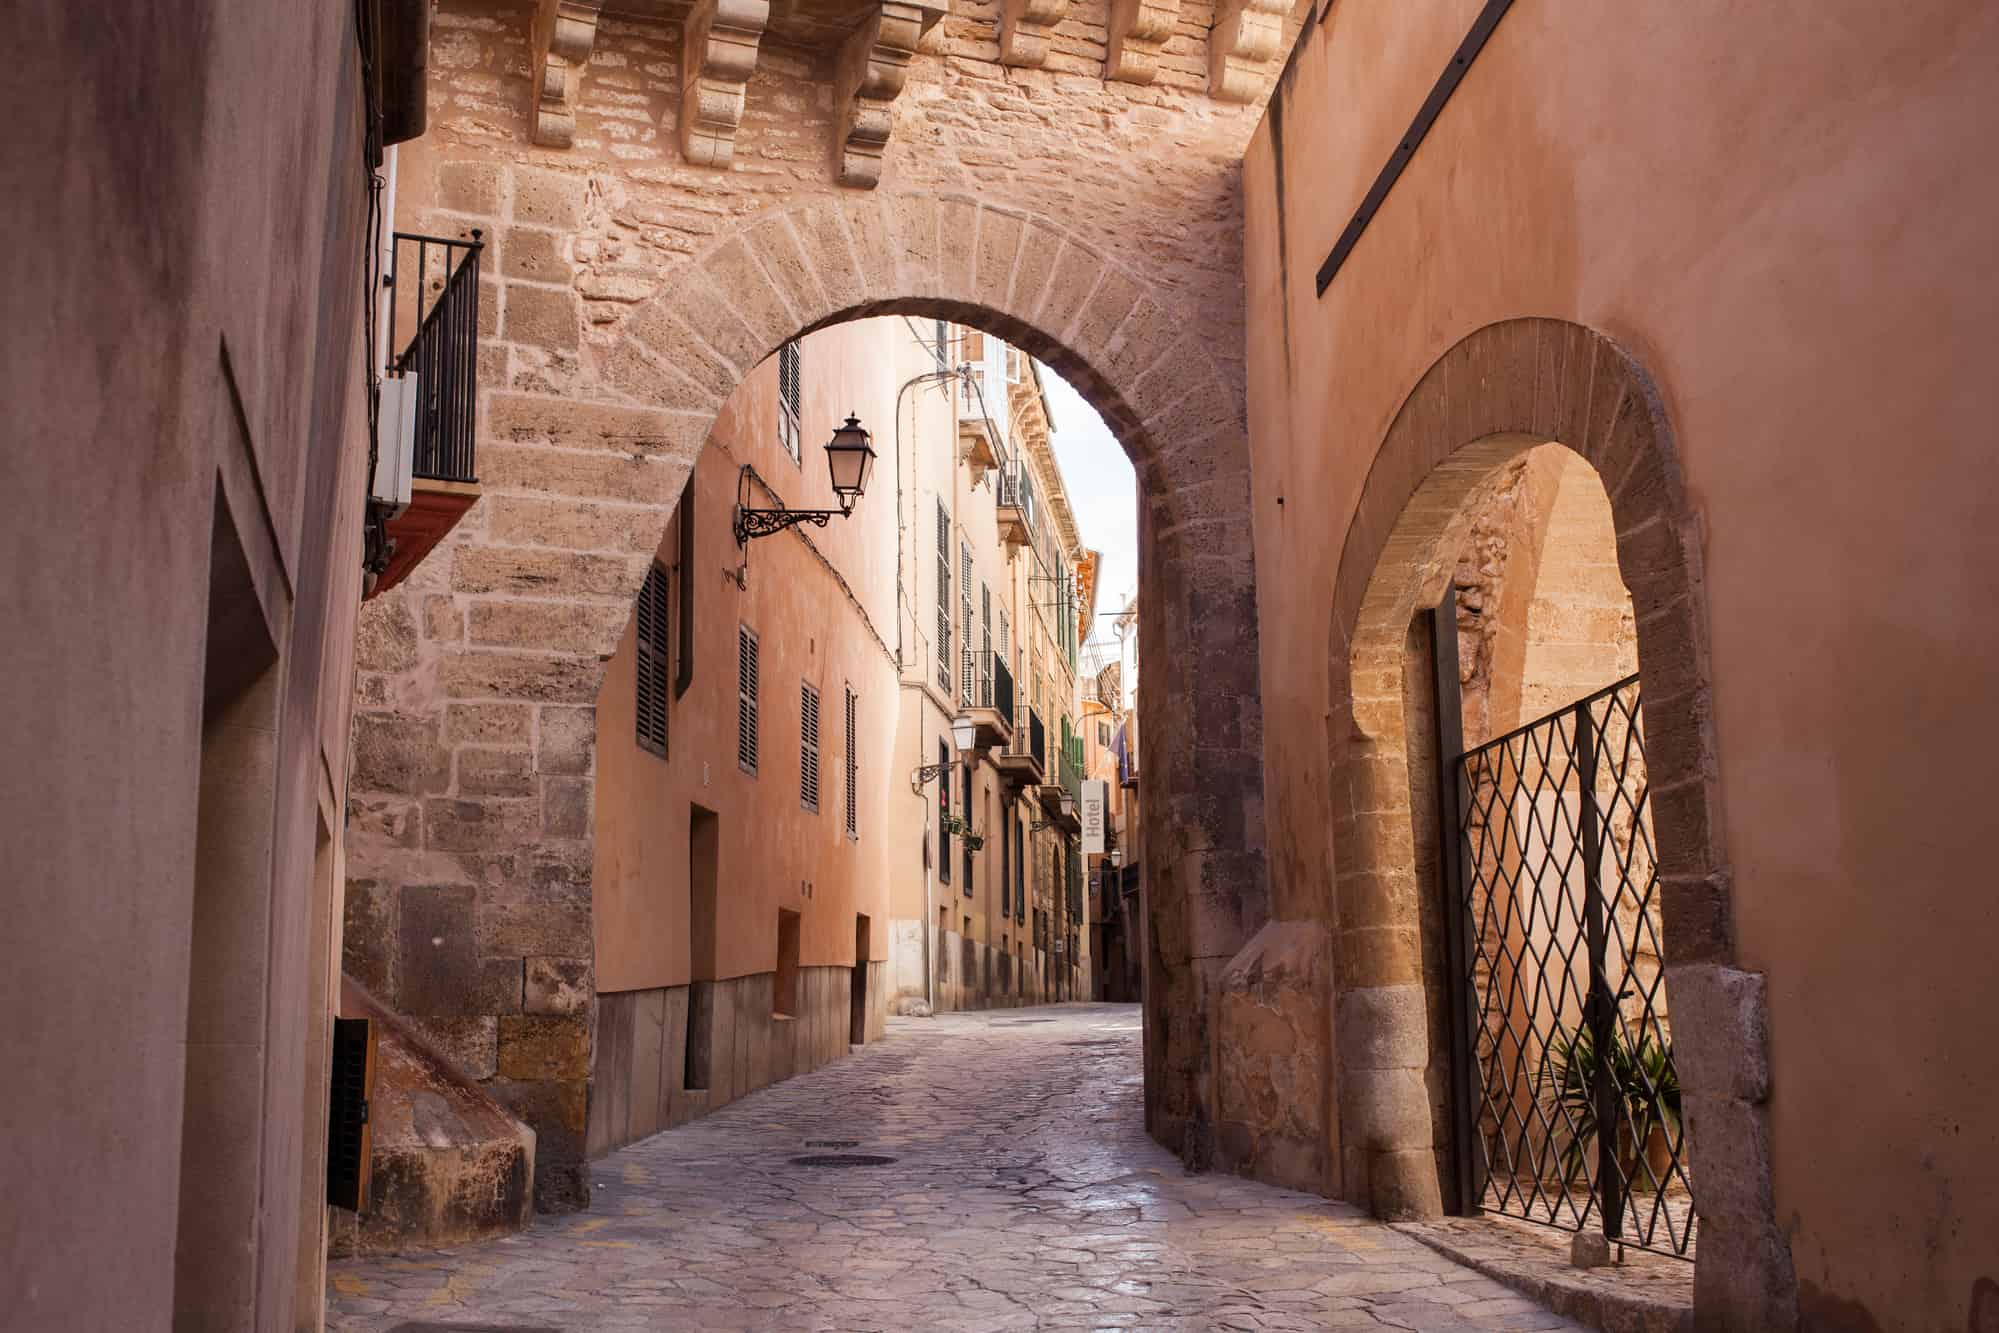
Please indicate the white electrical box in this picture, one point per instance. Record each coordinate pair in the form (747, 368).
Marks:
(395, 443)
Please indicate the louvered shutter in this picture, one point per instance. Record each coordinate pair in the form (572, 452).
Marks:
(853, 766)
(808, 747)
(965, 622)
(789, 397)
(651, 672)
(944, 812)
(943, 598)
(746, 700)
(986, 646)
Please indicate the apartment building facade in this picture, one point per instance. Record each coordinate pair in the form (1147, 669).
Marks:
(988, 886)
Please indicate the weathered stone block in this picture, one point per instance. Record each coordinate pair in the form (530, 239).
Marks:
(546, 317)
(567, 740)
(385, 637)
(565, 807)
(1721, 1031)
(481, 825)
(368, 935)
(439, 969)
(483, 772)
(544, 1047)
(1383, 1027)
(548, 198)
(471, 1044)
(442, 621)
(558, 986)
(536, 255)
(397, 752)
(489, 724)
(528, 676)
(574, 627)
(546, 574)
(469, 187)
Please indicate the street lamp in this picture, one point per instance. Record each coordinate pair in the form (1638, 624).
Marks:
(850, 459)
(964, 735)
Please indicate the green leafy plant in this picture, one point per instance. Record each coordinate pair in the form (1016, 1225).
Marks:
(1645, 1082)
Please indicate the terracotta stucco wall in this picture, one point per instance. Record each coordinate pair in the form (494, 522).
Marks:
(819, 611)
(1772, 212)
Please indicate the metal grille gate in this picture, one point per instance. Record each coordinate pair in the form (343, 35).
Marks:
(1567, 1099)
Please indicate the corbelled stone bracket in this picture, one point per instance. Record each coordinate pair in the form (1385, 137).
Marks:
(1025, 27)
(874, 66)
(564, 32)
(716, 60)
(1139, 29)
(1247, 36)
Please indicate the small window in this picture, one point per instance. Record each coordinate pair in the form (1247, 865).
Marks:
(746, 699)
(808, 747)
(853, 765)
(943, 345)
(790, 399)
(652, 658)
(944, 813)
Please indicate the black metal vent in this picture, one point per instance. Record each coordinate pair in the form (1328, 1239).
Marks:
(347, 1133)
(808, 747)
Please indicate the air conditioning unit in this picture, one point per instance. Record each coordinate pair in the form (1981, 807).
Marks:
(395, 443)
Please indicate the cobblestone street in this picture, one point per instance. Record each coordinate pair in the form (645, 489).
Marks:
(1022, 1193)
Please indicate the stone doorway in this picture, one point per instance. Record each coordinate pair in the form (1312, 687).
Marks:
(1500, 393)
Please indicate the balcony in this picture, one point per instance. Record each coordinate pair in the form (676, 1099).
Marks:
(1015, 505)
(1024, 762)
(976, 445)
(991, 709)
(436, 299)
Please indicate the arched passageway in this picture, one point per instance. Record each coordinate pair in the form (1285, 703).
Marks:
(1459, 439)
(506, 629)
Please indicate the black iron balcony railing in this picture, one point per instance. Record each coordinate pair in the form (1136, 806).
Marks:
(1002, 685)
(443, 352)
(1037, 739)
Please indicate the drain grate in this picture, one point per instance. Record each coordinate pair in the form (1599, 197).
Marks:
(1101, 1041)
(842, 1159)
(1017, 1022)
(475, 1328)
(832, 1143)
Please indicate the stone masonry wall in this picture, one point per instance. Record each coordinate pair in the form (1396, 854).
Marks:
(1095, 225)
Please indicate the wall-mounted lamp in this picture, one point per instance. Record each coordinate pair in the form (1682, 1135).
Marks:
(850, 458)
(964, 735)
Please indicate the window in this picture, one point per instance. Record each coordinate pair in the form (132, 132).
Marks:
(1003, 649)
(683, 675)
(944, 813)
(965, 621)
(789, 398)
(943, 598)
(986, 646)
(651, 665)
(943, 347)
(853, 765)
(968, 816)
(746, 700)
(808, 747)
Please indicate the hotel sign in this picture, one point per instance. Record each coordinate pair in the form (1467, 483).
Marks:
(1096, 809)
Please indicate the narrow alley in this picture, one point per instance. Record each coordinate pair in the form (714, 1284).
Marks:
(1019, 1191)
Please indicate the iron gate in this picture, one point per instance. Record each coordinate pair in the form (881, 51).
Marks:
(1568, 1103)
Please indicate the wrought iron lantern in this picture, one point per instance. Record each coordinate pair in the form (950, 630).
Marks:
(850, 460)
(964, 735)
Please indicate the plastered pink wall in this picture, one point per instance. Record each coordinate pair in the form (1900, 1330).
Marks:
(1778, 209)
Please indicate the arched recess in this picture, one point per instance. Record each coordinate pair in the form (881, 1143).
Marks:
(1500, 391)
(519, 612)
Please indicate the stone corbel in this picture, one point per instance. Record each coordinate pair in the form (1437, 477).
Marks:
(1139, 29)
(717, 57)
(874, 66)
(564, 32)
(1247, 36)
(1025, 27)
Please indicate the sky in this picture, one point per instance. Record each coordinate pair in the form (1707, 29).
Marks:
(1103, 492)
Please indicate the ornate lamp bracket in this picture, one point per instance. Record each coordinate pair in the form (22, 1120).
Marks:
(752, 523)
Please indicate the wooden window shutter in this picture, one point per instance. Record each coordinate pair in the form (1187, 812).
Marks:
(683, 666)
(808, 747)
(853, 765)
(746, 699)
(944, 813)
(943, 597)
(654, 617)
(789, 396)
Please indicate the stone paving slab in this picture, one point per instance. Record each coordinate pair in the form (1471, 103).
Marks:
(1024, 1195)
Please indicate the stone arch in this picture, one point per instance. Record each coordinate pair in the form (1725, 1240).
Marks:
(1501, 390)
(532, 594)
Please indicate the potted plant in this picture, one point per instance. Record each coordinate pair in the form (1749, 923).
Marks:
(1647, 1085)
(962, 829)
